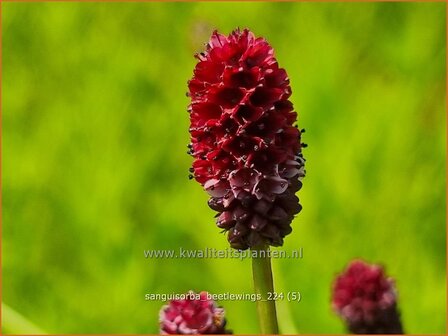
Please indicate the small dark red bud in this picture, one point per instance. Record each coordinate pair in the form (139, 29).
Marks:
(366, 300)
(194, 314)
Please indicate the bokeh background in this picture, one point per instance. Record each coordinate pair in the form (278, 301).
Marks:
(95, 169)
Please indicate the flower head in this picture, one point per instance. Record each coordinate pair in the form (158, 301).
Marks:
(195, 314)
(247, 153)
(366, 299)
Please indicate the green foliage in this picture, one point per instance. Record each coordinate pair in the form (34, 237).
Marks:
(95, 168)
(14, 323)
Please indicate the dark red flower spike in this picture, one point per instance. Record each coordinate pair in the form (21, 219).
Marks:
(247, 152)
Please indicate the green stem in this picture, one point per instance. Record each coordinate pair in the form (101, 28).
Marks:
(263, 285)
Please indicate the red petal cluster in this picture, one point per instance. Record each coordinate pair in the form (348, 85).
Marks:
(247, 153)
(366, 299)
(192, 316)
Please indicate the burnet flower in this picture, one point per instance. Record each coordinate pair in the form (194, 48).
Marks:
(247, 153)
(195, 314)
(366, 300)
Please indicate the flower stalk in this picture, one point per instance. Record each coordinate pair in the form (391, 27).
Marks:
(264, 286)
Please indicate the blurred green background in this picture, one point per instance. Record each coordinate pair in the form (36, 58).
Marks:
(95, 168)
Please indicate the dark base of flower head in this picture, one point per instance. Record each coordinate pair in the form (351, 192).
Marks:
(253, 222)
(386, 321)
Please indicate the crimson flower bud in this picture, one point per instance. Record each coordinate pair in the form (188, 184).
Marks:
(247, 153)
(367, 300)
(195, 314)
